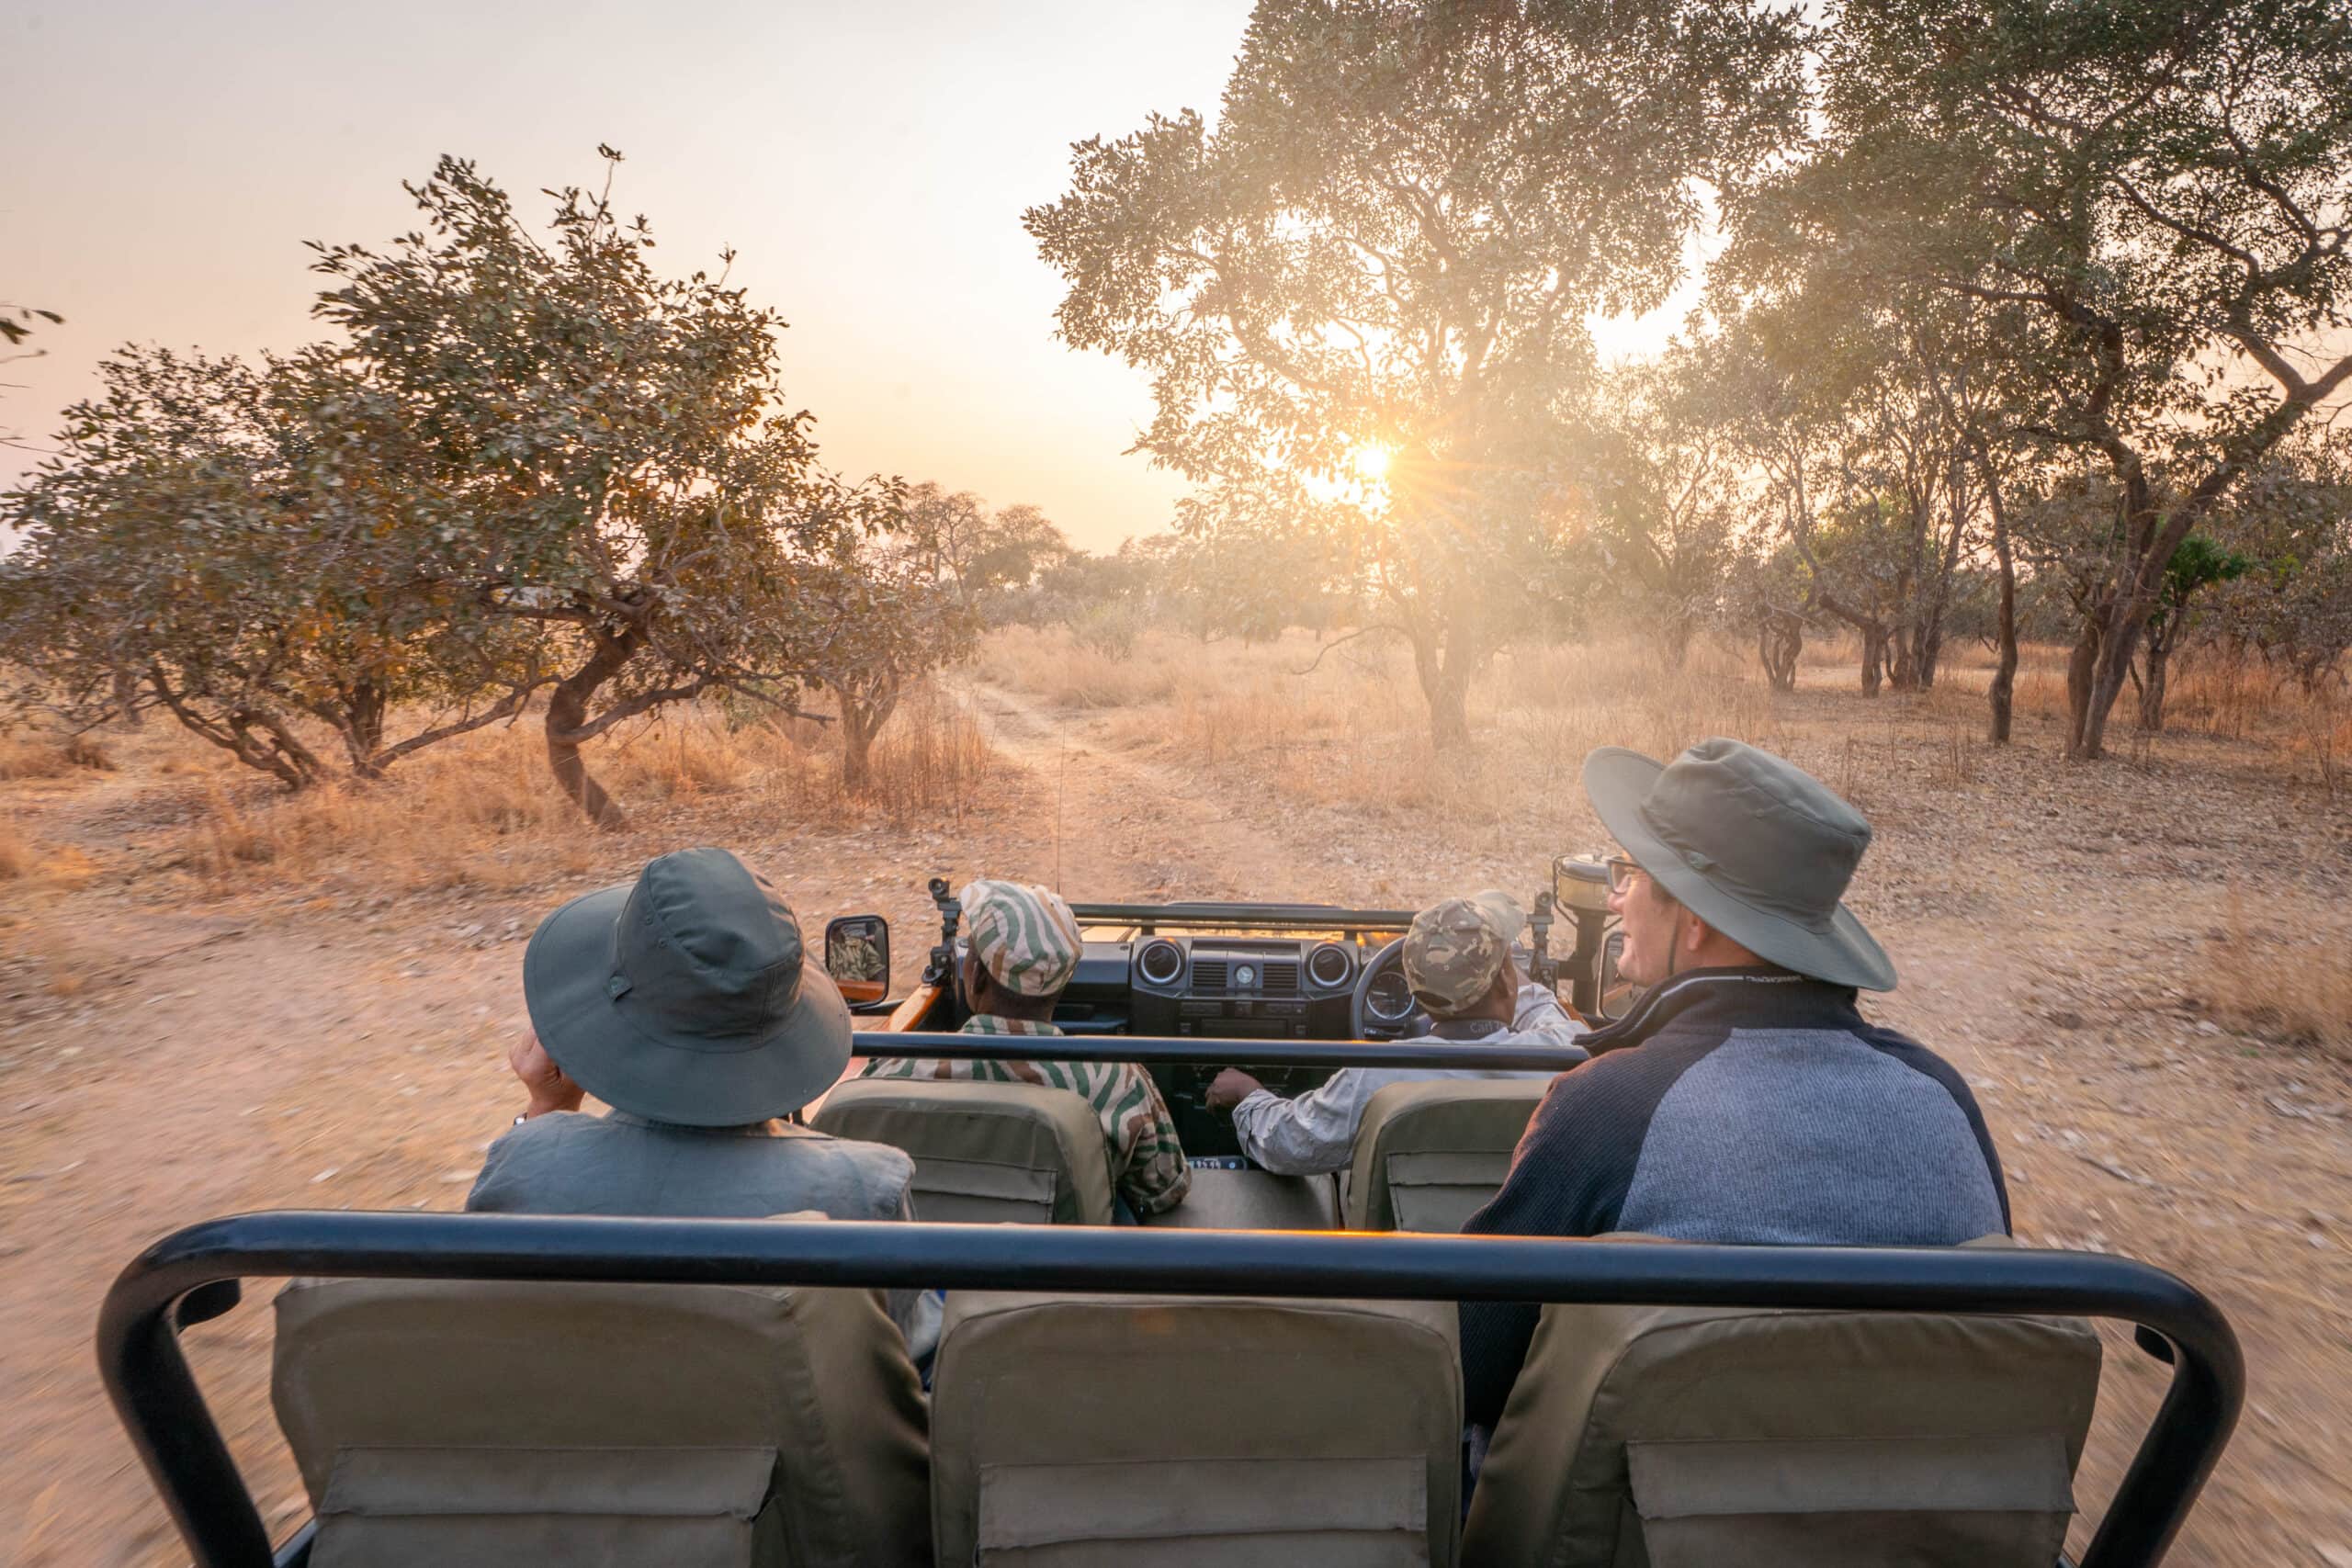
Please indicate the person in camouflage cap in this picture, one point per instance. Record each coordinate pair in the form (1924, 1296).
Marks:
(1023, 945)
(1458, 947)
(1457, 959)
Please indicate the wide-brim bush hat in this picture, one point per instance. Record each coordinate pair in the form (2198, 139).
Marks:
(686, 996)
(1750, 843)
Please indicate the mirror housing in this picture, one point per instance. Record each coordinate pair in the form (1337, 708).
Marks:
(1616, 992)
(857, 955)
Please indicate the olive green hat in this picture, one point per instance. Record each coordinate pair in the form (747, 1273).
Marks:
(686, 996)
(1750, 843)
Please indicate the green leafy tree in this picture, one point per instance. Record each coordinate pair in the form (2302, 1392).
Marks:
(610, 466)
(1667, 498)
(984, 555)
(878, 619)
(1389, 243)
(18, 322)
(2160, 197)
(2198, 563)
(237, 545)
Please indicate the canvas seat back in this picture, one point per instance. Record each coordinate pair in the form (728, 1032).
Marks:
(1670, 1436)
(1428, 1155)
(1167, 1431)
(984, 1152)
(471, 1423)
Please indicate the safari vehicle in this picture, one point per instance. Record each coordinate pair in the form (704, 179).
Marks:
(1252, 1380)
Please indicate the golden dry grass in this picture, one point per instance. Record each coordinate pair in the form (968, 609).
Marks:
(16, 857)
(482, 811)
(2295, 987)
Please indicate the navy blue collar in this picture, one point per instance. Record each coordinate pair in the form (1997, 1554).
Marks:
(1749, 998)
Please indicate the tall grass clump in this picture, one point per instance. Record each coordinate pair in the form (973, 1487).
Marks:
(2298, 990)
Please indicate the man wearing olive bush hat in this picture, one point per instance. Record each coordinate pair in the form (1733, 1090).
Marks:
(1744, 1097)
(684, 1001)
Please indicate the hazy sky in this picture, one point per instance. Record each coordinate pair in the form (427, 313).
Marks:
(165, 160)
(869, 160)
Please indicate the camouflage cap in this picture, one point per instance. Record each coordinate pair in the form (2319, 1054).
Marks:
(1025, 936)
(1510, 916)
(1454, 950)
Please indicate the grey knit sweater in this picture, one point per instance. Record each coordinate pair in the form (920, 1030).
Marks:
(1738, 1106)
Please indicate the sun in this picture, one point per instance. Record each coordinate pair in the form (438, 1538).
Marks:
(1372, 462)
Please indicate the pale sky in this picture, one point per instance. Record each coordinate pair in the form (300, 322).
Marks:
(165, 159)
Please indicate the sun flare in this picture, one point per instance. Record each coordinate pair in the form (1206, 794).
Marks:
(1372, 462)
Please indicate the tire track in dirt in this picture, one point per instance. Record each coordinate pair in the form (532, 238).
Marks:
(1117, 827)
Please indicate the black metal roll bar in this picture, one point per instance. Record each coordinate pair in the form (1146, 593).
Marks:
(192, 1274)
(1150, 917)
(1154, 1050)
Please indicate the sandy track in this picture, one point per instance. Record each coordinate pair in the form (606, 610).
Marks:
(259, 1051)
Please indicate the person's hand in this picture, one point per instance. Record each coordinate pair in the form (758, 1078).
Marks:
(1231, 1087)
(547, 1086)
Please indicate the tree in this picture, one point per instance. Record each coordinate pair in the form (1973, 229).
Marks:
(226, 542)
(877, 621)
(610, 472)
(982, 555)
(1386, 249)
(2198, 563)
(1665, 498)
(2162, 193)
(17, 322)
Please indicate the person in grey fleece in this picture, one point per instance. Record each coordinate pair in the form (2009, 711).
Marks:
(685, 1002)
(1743, 1098)
(1457, 959)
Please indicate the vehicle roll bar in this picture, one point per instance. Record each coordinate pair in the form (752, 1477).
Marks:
(1209, 1050)
(1149, 918)
(192, 1275)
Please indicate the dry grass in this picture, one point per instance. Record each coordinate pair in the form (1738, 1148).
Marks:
(1060, 671)
(2298, 989)
(16, 857)
(483, 812)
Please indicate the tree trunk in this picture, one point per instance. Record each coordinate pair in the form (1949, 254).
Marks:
(857, 748)
(1780, 643)
(2082, 674)
(1874, 660)
(568, 713)
(2001, 695)
(1904, 676)
(126, 699)
(1445, 684)
(2151, 689)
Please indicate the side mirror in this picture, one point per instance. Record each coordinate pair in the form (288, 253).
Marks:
(1616, 991)
(857, 955)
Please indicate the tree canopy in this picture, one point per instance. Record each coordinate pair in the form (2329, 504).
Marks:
(1390, 242)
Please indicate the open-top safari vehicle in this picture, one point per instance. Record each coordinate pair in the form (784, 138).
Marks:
(1259, 1378)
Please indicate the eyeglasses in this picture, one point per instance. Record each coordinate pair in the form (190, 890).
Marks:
(1621, 872)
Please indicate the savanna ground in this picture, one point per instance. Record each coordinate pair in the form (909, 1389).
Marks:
(214, 998)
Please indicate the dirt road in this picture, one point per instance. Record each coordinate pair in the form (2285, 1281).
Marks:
(163, 1059)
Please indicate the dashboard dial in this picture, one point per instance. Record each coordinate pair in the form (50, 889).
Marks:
(1390, 999)
(1160, 962)
(1245, 976)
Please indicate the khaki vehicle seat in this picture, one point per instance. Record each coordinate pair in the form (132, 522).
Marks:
(1430, 1153)
(1671, 1437)
(1167, 1432)
(467, 1424)
(984, 1151)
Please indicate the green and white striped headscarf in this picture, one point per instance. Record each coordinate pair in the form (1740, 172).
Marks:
(1026, 938)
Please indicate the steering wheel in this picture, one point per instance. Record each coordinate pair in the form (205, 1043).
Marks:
(1385, 971)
